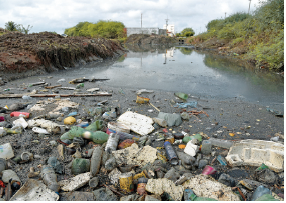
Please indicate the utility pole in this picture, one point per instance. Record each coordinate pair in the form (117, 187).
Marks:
(141, 20)
(249, 6)
(167, 25)
(224, 15)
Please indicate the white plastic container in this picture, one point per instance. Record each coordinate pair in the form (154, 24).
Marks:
(22, 122)
(191, 149)
(40, 130)
(6, 151)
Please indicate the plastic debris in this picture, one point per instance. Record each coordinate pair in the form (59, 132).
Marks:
(34, 190)
(137, 123)
(76, 182)
(135, 155)
(192, 104)
(159, 186)
(207, 187)
(256, 152)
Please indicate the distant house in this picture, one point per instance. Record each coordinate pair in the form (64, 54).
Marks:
(170, 30)
(139, 30)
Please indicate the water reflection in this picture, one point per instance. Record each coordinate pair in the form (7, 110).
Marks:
(199, 73)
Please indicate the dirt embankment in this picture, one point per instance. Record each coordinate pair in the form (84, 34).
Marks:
(25, 55)
(150, 39)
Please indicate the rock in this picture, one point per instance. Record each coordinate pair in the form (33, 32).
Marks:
(202, 163)
(76, 196)
(266, 176)
(150, 198)
(227, 180)
(172, 175)
(104, 194)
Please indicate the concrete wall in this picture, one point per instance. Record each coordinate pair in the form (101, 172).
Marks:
(149, 31)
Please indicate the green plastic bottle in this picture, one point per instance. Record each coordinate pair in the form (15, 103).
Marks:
(98, 137)
(266, 197)
(181, 95)
(80, 166)
(75, 131)
(95, 126)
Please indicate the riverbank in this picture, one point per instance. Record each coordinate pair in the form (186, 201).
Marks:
(32, 54)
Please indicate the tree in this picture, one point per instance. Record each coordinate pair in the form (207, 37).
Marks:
(21, 28)
(11, 26)
(188, 31)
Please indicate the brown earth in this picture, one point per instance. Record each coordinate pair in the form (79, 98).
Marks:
(25, 55)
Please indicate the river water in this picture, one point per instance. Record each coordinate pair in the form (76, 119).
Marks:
(187, 70)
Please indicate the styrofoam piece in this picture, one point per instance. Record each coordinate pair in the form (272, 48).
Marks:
(76, 182)
(255, 152)
(21, 121)
(161, 185)
(206, 186)
(114, 176)
(34, 190)
(47, 124)
(191, 149)
(133, 155)
(137, 123)
(117, 126)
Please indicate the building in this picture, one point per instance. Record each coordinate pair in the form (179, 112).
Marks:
(170, 29)
(149, 31)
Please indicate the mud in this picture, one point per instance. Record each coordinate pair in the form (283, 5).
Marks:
(26, 55)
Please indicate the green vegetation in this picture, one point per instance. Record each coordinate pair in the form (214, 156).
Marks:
(106, 29)
(12, 26)
(187, 32)
(261, 34)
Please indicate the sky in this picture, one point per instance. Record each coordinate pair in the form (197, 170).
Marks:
(57, 15)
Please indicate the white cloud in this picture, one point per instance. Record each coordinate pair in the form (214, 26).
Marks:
(56, 15)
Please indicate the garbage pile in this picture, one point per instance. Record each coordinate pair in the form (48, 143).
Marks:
(129, 156)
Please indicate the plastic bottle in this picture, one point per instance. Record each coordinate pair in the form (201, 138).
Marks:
(160, 121)
(6, 151)
(79, 85)
(56, 164)
(96, 160)
(171, 153)
(3, 165)
(206, 147)
(263, 166)
(17, 114)
(181, 95)
(112, 142)
(50, 178)
(221, 143)
(3, 132)
(261, 190)
(9, 174)
(97, 137)
(80, 165)
(266, 197)
(96, 125)
(189, 195)
(208, 170)
(221, 160)
(27, 97)
(40, 130)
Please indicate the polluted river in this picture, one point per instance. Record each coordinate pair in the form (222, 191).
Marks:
(151, 124)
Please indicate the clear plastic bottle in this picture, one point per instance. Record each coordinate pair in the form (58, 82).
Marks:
(50, 178)
(261, 190)
(112, 142)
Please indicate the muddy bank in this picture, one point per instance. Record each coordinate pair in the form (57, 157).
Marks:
(25, 55)
(232, 120)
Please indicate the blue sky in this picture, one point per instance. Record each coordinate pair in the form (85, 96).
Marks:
(56, 15)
